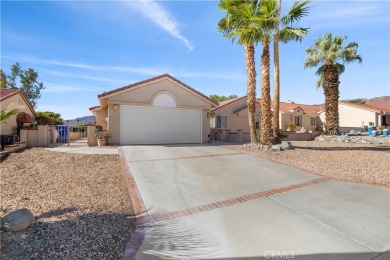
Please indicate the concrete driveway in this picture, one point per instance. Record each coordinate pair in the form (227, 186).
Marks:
(209, 202)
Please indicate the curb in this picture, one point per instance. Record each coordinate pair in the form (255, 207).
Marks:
(140, 212)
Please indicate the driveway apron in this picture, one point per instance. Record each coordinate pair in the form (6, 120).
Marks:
(209, 202)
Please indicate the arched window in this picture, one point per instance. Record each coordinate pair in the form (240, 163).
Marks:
(164, 100)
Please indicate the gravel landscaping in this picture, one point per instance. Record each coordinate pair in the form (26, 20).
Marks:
(354, 162)
(82, 206)
(80, 202)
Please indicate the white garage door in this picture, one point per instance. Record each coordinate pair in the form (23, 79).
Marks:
(151, 125)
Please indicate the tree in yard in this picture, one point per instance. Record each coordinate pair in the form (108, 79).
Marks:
(28, 82)
(332, 55)
(49, 118)
(286, 34)
(8, 113)
(275, 118)
(238, 25)
(221, 98)
(3, 79)
(267, 19)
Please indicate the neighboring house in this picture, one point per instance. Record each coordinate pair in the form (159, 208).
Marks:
(357, 116)
(160, 110)
(17, 99)
(233, 115)
(302, 116)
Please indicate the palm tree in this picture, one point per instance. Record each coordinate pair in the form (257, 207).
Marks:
(267, 20)
(329, 52)
(297, 11)
(252, 21)
(275, 121)
(8, 113)
(236, 26)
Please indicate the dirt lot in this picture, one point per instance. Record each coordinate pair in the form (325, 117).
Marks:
(80, 202)
(362, 163)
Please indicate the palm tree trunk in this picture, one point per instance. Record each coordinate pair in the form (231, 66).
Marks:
(249, 50)
(275, 122)
(331, 92)
(266, 136)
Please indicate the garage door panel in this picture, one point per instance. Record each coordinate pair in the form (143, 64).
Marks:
(140, 125)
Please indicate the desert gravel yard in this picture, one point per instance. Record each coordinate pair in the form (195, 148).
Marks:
(360, 163)
(80, 202)
(83, 209)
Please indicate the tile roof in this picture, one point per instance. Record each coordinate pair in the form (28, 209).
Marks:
(154, 79)
(227, 102)
(308, 109)
(93, 108)
(286, 107)
(8, 92)
(240, 109)
(379, 107)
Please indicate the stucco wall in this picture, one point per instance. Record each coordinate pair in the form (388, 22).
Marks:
(354, 117)
(286, 119)
(289, 118)
(101, 116)
(32, 138)
(306, 122)
(205, 126)
(9, 127)
(114, 124)
(234, 121)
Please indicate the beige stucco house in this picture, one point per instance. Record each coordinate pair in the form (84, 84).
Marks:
(160, 110)
(300, 115)
(355, 116)
(17, 99)
(232, 115)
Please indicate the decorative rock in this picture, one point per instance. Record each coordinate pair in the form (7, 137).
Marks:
(276, 147)
(286, 146)
(253, 146)
(353, 132)
(347, 138)
(17, 220)
(320, 138)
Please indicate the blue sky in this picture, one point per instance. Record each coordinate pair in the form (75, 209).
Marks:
(82, 48)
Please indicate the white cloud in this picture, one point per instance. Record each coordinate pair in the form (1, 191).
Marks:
(54, 88)
(75, 75)
(154, 71)
(160, 16)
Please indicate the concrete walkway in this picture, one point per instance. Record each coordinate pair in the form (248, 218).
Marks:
(208, 202)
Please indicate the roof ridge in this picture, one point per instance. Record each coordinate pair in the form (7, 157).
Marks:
(166, 75)
(371, 106)
(8, 92)
(228, 102)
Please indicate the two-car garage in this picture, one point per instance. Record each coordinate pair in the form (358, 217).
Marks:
(160, 125)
